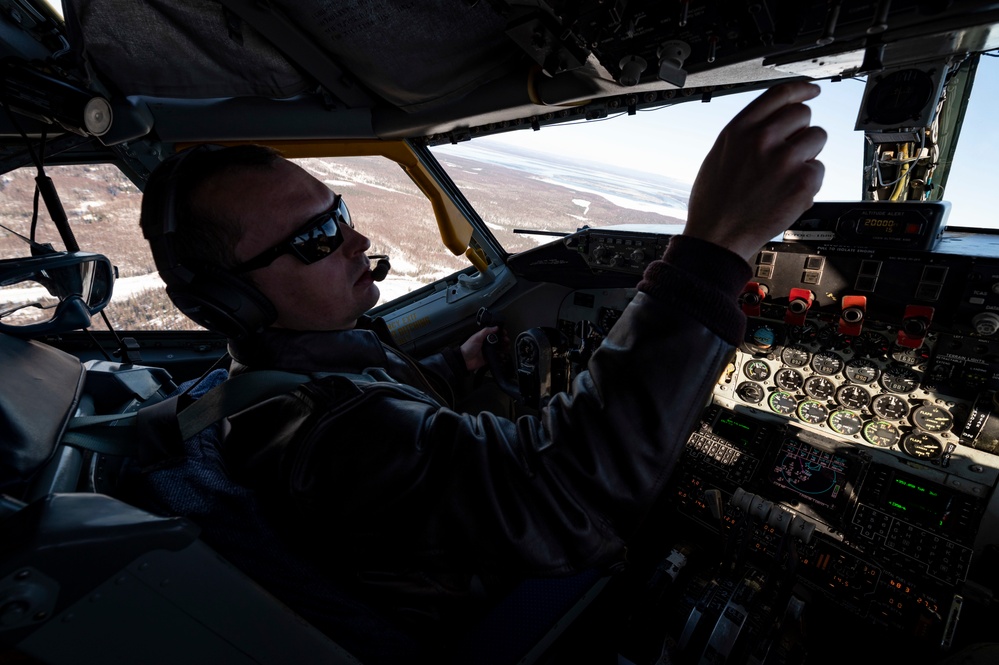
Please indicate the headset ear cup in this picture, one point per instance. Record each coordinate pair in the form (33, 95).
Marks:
(210, 296)
(223, 303)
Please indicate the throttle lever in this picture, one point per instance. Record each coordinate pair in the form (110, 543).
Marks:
(491, 352)
(494, 360)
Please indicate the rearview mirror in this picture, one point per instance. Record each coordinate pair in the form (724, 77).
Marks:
(53, 293)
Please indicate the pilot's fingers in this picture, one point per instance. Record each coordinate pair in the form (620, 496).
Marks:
(782, 144)
(472, 350)
(807, 143)
(774, 100)
(782, 125)
(761, 173)
(796, 164)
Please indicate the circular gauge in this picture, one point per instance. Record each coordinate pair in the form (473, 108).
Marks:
(889, 407)
(871, 344)
(795, 356)
(831, 339)
(750, 392)
(861, 370)
(812, 411)
(932, 418)
(881, 433)
(922, 445)
(852, 396)
(845, 422)
(819, 387)
(789, 379)
(827, 363)
(803, 334)
(761, 337)
(782, 402)
(757, 370)
(608, 317)
(899, 379)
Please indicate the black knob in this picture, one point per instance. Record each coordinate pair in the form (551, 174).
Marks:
(915, 326)
(853, 315)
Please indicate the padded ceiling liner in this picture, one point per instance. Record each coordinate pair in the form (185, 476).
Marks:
(439, 49)
(211, 52)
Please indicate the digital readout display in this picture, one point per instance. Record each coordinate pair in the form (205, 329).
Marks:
(818, 477)
(736, 429)
(921, 503)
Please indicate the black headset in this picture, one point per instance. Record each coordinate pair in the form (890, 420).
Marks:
(208, 294)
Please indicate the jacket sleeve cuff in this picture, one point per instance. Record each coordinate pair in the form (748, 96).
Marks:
(703, 278)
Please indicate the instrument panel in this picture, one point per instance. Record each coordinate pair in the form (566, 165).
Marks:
(887, 349)
(847, 460)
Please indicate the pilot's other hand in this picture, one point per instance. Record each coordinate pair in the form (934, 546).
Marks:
(761, 174)
(471, 350)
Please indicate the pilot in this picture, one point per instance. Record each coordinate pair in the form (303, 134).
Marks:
(434, 512)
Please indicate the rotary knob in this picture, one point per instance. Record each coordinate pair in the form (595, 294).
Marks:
(986, 323)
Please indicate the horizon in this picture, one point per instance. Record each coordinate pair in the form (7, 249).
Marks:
(670, 142)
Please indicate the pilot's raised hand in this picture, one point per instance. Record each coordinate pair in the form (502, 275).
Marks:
(761, 173)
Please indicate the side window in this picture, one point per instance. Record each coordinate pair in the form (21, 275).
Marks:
(103, 210)
(102, 206)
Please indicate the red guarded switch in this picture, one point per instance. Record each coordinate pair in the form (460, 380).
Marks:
(851, 317)
(799, 301)
(915, 325)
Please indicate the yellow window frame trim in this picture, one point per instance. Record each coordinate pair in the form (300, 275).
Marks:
(455, 230)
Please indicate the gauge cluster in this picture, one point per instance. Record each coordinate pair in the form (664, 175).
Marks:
(864, 390)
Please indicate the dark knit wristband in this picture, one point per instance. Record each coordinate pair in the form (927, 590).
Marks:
(705, 280)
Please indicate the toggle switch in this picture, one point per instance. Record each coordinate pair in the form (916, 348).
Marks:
(751, 298)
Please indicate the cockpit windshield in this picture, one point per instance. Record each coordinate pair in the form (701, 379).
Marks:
(639, 168)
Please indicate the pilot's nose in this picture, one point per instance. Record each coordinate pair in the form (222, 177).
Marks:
(354, 242)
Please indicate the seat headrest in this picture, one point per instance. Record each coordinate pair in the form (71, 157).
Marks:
(38, 395)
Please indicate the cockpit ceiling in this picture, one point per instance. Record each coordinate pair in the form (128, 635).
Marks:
(407, 55)
(446, 69)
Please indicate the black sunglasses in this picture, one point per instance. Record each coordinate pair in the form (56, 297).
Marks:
(318, 238)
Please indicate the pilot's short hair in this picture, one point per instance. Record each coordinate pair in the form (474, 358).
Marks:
(204, 234)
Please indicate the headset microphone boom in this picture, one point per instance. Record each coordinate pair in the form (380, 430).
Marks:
(381, 268)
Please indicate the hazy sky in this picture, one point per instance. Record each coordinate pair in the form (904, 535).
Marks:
(673, 142)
